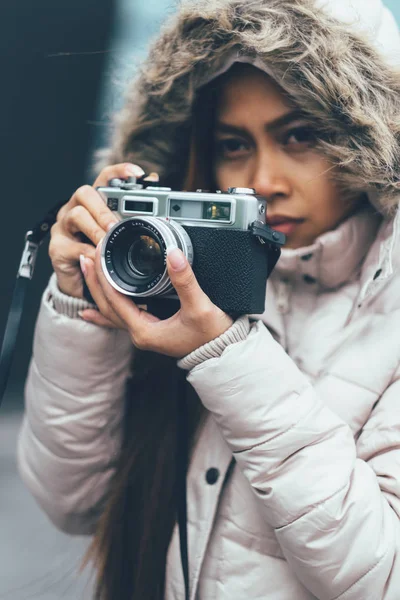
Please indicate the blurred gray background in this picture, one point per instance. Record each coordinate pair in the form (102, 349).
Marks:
(64, 66)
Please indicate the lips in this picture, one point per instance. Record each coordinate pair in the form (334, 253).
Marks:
(283, 223)
(279, 219)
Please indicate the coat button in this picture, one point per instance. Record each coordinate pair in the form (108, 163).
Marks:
(309, 279)
(378, 274)
(212, 475)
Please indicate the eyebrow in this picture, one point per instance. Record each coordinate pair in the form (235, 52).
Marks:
(285, 119)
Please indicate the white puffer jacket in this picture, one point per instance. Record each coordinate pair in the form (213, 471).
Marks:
(312, 507)
(307, 404)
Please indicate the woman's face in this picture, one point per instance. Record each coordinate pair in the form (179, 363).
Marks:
(263, 142)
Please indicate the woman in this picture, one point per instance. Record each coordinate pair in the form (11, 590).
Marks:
(299, 100)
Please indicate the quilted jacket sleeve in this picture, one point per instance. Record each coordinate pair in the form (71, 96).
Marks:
(334, 504)
(74, 403)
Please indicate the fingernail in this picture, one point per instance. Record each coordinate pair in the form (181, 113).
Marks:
(83, 264)
(111, 225)
(135, 170)
(153, 176)
(80, 313)
(176, 259)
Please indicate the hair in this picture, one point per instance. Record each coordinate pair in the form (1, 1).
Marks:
(130, 545)
(199, 172)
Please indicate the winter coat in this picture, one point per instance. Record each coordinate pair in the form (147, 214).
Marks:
(306, 403)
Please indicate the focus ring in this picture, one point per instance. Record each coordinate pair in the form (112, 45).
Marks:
(116, 260)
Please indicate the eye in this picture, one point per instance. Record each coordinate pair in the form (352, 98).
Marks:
(231, 148)
(302, 135)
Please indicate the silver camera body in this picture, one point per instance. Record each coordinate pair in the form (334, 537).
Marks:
(223, 235)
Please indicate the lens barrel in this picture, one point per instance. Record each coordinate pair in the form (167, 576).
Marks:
(133, 255)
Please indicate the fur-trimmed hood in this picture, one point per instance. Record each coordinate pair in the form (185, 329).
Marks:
(329, 67)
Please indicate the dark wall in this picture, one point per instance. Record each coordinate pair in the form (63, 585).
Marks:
(52, 56)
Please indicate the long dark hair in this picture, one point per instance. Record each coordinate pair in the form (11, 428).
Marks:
(130, 545)
(131, 542)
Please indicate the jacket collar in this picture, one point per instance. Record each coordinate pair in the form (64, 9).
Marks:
(382, 260)
(380, 263)
(336, 256)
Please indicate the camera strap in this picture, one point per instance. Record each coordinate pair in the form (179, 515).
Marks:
(33, 240)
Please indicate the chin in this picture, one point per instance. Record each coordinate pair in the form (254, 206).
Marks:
(293, 244)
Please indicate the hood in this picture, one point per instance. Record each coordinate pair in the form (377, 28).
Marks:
(335, 60)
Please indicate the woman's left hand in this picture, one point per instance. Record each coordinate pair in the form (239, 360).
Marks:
(197, 322)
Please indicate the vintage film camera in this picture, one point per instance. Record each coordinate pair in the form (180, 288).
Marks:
(223, 235)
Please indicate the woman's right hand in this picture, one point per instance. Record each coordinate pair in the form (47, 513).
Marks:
(85, 213)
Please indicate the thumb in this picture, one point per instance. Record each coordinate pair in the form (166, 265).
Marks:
(184, 281)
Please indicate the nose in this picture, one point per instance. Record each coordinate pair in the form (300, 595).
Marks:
(269, 178)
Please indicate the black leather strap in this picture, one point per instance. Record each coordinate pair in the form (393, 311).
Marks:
(33, 239)
(11, 332)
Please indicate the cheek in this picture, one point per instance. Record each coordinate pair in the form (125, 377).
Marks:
(329, 211)
(222, 176)
(321, 193)
(230, 175)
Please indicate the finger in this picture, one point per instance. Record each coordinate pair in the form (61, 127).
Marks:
(135, 319)
(88, 198)
(63, 250)
(190, 294)
(153, 176)
(94, 316)
(121, 171)
(63, 211)
(79, 220)
(96, 291)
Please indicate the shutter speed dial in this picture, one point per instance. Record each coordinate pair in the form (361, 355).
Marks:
(241, 190)
(231, 190)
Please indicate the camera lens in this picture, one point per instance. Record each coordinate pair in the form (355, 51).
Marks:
(133, 255)
(145, 256)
